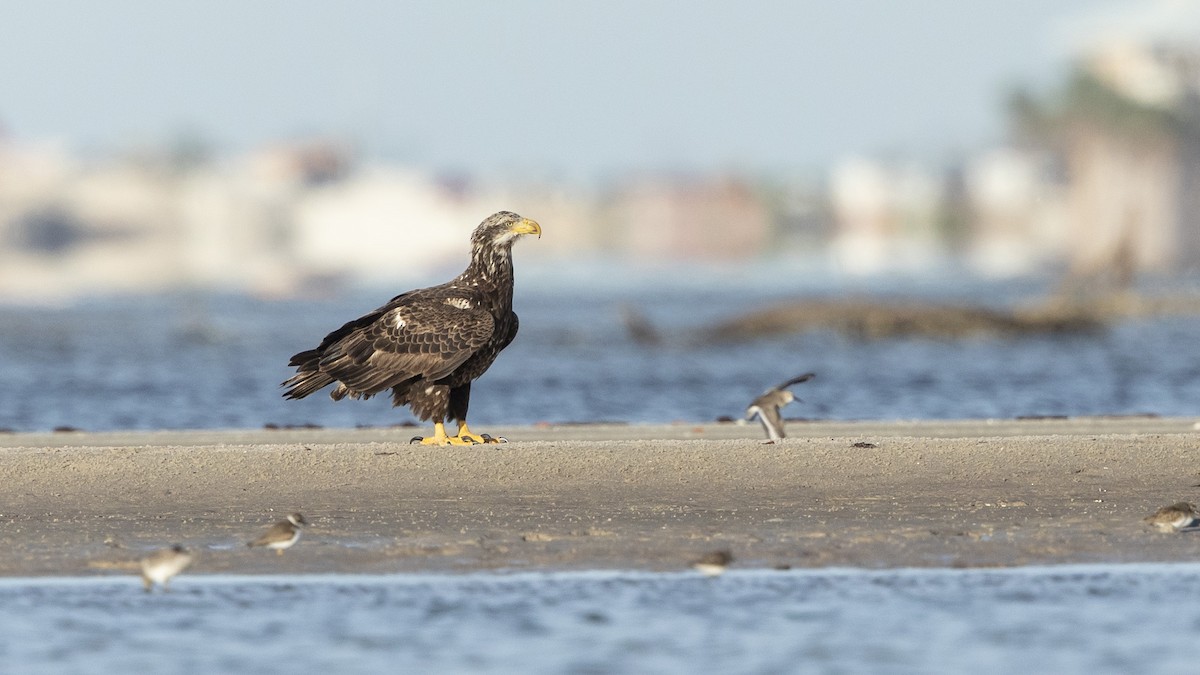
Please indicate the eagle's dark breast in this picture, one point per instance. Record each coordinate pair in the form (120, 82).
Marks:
(426, 345)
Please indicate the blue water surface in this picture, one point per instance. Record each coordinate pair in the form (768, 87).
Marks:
(1070, 619)
(204, 361)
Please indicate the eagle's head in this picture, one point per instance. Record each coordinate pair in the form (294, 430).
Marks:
(500, 230)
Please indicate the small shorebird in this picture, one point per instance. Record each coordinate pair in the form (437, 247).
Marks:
(281, 535)
(767, 406)
(160, 566)
(713, 563)
(1173, 518)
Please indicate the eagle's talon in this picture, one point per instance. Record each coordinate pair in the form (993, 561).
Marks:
(416, 439)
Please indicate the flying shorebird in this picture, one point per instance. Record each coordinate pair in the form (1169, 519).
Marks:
(767, 406)
(160, 566)
(1173, 518)
(281, 535)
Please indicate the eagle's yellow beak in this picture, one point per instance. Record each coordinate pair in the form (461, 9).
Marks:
(527, 226)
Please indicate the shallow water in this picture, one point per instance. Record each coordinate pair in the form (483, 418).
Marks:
(213, 361)
(1069, 619)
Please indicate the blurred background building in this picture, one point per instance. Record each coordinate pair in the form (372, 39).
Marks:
(1097, 174)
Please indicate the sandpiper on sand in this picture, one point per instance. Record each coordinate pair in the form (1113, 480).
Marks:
(1173, 518)
(713, 563)
(281, 535)
(160, 566)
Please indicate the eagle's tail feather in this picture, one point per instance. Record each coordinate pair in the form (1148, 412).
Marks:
(306, 360)
(308, 378)
(305, 383)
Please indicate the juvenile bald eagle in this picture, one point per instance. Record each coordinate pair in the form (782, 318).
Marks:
(427, 345)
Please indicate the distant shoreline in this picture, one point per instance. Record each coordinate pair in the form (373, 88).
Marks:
(971, 493)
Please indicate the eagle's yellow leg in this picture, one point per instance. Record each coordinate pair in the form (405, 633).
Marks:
(439, 436)
(463, 437)
(464, 433)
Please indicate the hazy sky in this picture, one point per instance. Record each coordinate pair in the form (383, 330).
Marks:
(544, 86)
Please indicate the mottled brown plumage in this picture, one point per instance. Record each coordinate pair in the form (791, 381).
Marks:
(427, 345)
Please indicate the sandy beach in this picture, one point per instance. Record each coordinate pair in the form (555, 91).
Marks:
(864, 494)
